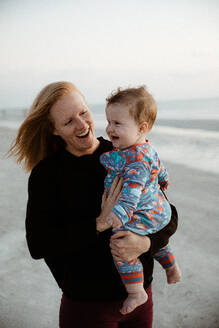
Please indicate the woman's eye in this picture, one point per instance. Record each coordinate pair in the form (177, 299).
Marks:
(117, 123)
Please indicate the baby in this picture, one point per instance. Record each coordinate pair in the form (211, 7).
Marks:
(142, 207)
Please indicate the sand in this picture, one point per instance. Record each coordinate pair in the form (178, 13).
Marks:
(29, 297)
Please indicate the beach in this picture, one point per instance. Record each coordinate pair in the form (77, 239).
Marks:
(29, 296)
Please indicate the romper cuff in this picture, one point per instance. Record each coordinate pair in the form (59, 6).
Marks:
(121, 213)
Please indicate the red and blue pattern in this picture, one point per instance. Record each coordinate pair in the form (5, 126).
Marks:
(142, 207)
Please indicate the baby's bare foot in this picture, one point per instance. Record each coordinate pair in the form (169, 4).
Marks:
(134, 300)
(173, 274)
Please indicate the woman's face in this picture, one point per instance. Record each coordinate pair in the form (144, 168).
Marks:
(73, 122)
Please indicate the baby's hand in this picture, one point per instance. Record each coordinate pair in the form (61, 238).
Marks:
(102, 224)
(114, 221)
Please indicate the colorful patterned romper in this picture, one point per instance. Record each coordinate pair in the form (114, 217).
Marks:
(142, 207)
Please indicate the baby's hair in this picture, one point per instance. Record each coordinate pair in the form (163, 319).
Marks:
(143, 107)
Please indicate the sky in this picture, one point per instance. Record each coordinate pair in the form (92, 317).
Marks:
(172, 46)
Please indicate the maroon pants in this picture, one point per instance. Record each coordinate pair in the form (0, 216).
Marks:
(75, 314)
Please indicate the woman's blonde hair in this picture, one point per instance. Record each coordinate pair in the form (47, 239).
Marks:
(35, 139)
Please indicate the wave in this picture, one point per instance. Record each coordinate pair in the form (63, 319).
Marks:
(198, 133)
(191, 147)
(195, 148)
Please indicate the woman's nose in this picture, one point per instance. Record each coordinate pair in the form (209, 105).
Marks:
(80, 124)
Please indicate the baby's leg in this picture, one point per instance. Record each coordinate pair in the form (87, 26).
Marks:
(167, 259)
(133, 278)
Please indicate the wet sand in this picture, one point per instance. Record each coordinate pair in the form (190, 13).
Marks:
(29, 297)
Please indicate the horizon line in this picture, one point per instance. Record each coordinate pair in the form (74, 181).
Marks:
(101, 103)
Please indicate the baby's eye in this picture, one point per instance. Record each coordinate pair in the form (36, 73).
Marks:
(68, 122)
(117, 123)
(84, 112)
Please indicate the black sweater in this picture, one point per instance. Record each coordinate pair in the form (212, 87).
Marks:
(64, 200)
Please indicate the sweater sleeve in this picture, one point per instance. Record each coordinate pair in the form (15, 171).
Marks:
(47, 234)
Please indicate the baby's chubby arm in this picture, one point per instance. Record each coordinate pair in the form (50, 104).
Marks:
(134, 180)
(163, 177)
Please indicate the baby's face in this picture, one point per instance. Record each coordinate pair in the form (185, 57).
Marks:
(122, 129)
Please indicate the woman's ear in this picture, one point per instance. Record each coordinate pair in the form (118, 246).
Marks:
(55, 133)
(144, 127)
(52, 126)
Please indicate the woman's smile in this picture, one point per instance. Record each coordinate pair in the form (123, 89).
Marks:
(84, 134)
(73, 122)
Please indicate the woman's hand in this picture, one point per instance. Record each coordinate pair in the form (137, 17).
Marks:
(108, 202)
(127, 246)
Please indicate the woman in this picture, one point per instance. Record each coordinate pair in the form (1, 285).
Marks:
(57, 142)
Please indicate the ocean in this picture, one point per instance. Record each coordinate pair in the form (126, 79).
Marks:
(186, 131)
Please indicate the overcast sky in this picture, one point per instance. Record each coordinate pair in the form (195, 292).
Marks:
(172, 46)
